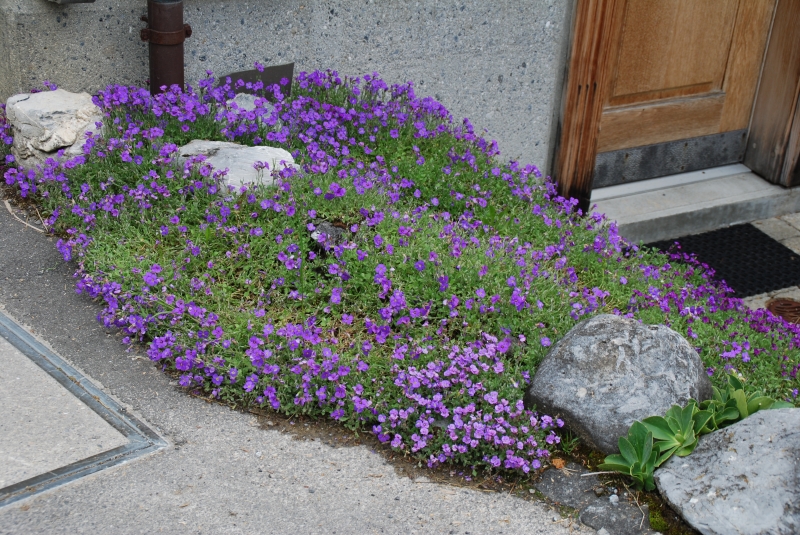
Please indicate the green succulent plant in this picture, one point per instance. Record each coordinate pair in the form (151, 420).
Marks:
(675, 433)
(655, 439)
(637, 458)
(732, 404)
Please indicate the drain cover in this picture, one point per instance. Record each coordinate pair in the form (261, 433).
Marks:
(788, 309)
(748, 260)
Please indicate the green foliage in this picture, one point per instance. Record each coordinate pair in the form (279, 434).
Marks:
(637, 457)
(677, 432)
(730, 405)
(569, 442)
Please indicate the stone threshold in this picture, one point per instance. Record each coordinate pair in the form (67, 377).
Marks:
(691, 203)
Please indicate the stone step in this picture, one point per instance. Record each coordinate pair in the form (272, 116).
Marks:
(691, 203)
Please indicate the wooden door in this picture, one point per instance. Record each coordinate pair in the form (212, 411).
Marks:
(647, 78)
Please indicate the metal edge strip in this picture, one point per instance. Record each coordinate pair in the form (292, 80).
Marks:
(142, 439)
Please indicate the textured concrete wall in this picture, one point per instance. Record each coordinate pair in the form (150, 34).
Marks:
(500, 63)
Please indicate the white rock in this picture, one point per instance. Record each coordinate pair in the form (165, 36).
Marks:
(243, 101)
(43, 123)
(239, 159)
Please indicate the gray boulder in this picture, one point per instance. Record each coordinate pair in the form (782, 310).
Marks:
(744, 479)
(609, 371)
(239, 160)
(43, 123)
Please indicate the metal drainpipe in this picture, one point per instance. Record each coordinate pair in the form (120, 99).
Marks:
(166, 33)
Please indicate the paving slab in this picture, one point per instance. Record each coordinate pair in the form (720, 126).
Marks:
(43, 426)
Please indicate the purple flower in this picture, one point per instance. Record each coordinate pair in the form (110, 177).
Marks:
(545, 341)
(419, 265)
(250, 383)
(444, 283)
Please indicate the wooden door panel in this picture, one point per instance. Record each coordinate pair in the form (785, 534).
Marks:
(665, 121)
(669, 56)
(744, 65)
(671, 48)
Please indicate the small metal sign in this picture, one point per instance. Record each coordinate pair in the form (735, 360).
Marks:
(269, 76)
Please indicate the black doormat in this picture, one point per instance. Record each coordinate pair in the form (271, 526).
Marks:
(748, 260)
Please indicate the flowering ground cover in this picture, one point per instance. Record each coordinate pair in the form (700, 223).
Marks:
(404, 281)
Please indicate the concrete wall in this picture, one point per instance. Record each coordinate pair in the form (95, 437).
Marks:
(498, 62)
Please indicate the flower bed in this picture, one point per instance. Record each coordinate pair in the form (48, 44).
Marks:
(420, 319)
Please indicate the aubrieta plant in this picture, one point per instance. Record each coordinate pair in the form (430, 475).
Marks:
(402, 281)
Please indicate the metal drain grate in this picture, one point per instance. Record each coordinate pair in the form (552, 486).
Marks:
(748, 260)
(788, 309)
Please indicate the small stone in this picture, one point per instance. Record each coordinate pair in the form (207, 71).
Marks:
(614, 499)
(598, 491)
(328, 235)
(556, 518)
(258, 454)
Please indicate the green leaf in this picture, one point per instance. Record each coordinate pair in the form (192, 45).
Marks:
(735, 382)
(641, 439)
(665, 455)
(685, 418)
(627, 450)
(701, 420)
(659, 427)
(741, 403)
(782, 405)
(616, 463)
(759, 403)
(688, 446)
(729, 414)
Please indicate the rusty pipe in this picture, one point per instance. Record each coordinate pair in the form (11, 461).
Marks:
(165, 34)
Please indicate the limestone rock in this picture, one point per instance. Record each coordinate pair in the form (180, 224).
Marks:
(609, 371)
(239, 160)
(43, 123)
(744, 479)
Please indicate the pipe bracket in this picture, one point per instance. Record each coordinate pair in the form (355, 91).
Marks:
(166, 38)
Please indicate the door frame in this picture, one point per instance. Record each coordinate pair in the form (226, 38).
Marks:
(586, 80)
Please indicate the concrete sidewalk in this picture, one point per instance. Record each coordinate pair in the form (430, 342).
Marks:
(222, 471)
